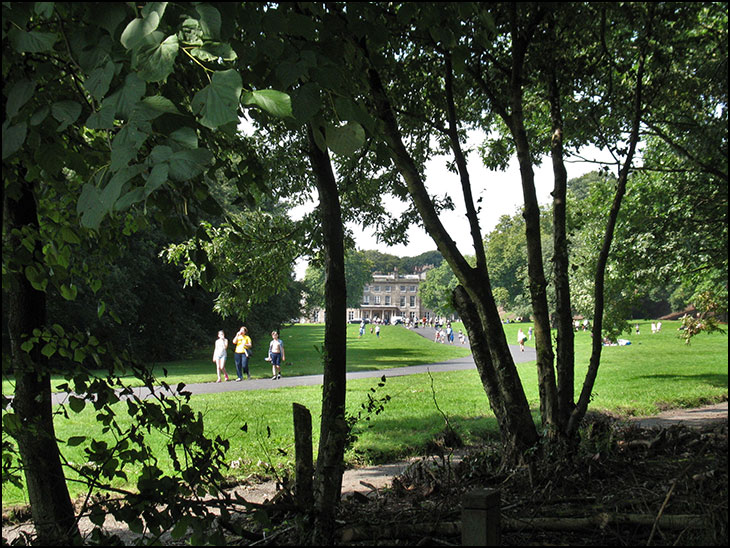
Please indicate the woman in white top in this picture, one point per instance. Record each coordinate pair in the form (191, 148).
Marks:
(521, 338)
(276, 355)
(219, 355)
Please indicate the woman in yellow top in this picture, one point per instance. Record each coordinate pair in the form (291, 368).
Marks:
(242, 352)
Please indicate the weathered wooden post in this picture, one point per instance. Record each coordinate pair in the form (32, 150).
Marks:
(303, 456)
(480, 521)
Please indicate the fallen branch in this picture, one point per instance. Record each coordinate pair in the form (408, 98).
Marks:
(603, 520)
(395, 531)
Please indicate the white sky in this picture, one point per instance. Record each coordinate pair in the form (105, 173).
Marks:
(502, 195)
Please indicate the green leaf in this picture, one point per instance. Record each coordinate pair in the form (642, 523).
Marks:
(49, 349)
(132, 197)
(103, 118)
(212, 51)
(128, 96)
(217, 103)
(306, 102)
(136, 31)
(69, 236)
(181, 527)
(11, 423)
(97, 516)
(69, 292)
(98, 82)
(187, 164)
(76, 404)
(90, 207)
(18, 96)
(36, 278)
(44, 9)
(13, 138)
(272, 101)
(345, 140)
(155, 59)
(210, 20)
(185, 136)
(66, 112)
(111, 192)
(157, 178)
(152, 107)
(109, 15)
(33, 41)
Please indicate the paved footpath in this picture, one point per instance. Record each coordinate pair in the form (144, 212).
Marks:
(717, 412)
(456, 364)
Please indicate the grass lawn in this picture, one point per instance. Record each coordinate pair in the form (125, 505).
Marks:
(654, 372)
(396, 347)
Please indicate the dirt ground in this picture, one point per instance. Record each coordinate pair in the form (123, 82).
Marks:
(645, 481)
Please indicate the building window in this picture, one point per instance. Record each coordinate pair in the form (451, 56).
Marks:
(366, 299)
(402, 301)
(387, 289)
(376, 288)
(377, 299)
(387, 300)
(413, 301)
(413, 289)
(366, 288)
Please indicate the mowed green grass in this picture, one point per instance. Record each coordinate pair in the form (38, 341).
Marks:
(396, 347)
(654, 372)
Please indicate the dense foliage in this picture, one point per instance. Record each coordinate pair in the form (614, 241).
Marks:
(120, 116)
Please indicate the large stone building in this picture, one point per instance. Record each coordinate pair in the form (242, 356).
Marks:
(390, 296)
(387, 297)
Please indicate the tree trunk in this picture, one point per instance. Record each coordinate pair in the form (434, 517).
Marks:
(536, 272)
(561, 263)
(585, 396)
(333, 428)
(500, 379)
(51, 508)
(303, 455)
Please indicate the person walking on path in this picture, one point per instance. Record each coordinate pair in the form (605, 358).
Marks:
(242, 352)
(220, 354)
(521, 338)
(276, 355)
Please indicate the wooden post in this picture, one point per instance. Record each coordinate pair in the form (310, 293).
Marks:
(480, 518)
(303, 456)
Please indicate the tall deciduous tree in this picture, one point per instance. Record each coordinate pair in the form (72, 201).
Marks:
(430, 73)
(91, 110)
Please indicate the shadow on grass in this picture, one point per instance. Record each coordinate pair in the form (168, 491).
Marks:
(713, 379)
(394, 438)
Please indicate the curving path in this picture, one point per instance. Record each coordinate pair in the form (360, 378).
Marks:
(456, 364)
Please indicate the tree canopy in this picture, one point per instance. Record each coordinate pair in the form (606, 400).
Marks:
(117, 113)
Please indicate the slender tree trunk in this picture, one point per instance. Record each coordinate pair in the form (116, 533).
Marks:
(561, 263)
(51, 508)
(536, 272)
(333, 428)
(585, 396)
